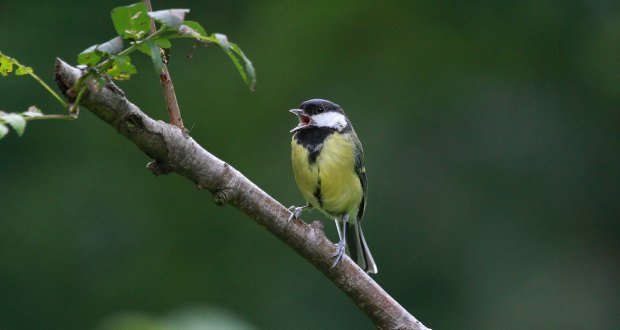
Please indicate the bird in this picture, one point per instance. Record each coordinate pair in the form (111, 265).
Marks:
(328, 165)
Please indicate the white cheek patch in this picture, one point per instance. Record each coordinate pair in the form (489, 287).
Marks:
(330, 119)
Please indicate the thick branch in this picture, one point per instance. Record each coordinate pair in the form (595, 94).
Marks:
(174, 151)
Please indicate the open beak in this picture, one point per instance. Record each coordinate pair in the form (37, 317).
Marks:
(304, 119)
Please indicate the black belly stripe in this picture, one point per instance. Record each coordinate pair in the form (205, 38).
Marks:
(317, 193)
(313, 154)
(318, 196)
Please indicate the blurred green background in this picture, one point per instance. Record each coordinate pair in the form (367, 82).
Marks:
(492, 139)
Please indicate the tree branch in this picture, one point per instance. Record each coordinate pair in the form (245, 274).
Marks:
(174, 151)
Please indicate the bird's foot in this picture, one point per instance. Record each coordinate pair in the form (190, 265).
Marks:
(295, 212)
(340, 250)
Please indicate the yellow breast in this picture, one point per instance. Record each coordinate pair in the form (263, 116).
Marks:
(331, 177)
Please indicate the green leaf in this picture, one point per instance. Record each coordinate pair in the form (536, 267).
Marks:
(131, 22)
(93, 54)
(3, 130)
(32, 111)
(246, 70)
(23, 70)
(194, 27)
(163, 43)
(16, 121)
(90, 56)
(155, 54)
(112, 46)
(169, 17)
(6, 65)
(146, 48)
(121, 68)
(222, 40)
(250, 79)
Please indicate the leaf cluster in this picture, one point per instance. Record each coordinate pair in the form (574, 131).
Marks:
(17, 121)
(8, 63)
(132, 23)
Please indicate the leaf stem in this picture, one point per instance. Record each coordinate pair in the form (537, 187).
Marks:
(31, 73)
(63, 117)
(42, 117)
(47, 87)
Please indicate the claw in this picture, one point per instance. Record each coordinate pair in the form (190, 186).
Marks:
(340, 251)
(295, 212)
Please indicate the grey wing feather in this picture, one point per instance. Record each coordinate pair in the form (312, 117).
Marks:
(361, 173)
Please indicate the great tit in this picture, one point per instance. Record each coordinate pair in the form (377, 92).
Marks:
(328, 163)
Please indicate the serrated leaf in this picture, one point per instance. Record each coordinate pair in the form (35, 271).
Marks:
(121, 68)
(3, 131)
(23, 70)
(194, 26)
(155, 54)
(6, 65)
(170, 17)
(131, 22)
(16, 121)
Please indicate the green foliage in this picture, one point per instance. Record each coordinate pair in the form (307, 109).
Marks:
(121, 68)
(155, 53)
(6, 66)
(3, 131)
(195, 26)
(92, 55)
(235, 53)
(7, 63)
(17, 121)
(170, 17)
(23, 70)
(132, 23)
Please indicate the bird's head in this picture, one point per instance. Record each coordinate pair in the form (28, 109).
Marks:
(319, 113)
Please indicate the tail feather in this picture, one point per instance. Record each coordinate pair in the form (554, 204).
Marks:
(357, 248)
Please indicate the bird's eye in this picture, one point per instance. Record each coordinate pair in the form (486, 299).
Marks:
(320, 109)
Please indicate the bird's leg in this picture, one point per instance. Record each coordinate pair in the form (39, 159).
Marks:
(296, 211)
(342, 244)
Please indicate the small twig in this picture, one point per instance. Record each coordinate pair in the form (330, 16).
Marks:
(48, 88)
(62, 117)
(174, 113)
(34, 76)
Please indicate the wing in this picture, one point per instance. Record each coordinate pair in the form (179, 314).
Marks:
(361, 173)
